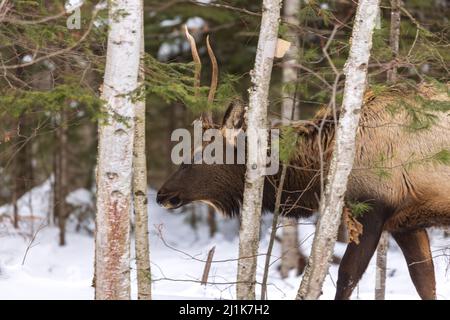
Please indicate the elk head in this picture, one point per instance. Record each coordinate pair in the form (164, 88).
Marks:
(218, 185)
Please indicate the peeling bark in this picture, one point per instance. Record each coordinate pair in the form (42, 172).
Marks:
(142, 246)
(115, 152)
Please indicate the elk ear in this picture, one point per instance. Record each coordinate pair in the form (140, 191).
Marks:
(234, 117)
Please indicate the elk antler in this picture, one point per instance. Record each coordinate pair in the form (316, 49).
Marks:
(215, 72)
(196, 58)
(206, 116)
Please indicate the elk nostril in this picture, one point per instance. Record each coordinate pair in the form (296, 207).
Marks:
(160, 197)
(165, 198)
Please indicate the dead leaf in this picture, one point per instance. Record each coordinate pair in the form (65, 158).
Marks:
(282, 47)
(354, 227)
(8, 135)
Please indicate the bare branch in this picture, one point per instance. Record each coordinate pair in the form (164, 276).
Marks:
(208, 265)
(58, 52)
(12, 20)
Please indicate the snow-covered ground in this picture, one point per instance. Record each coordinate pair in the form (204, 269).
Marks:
(48, 271)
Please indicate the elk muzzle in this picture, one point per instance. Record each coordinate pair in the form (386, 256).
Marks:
(169, 200)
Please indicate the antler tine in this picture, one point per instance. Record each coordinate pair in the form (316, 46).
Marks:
(215, 72)
(196, 58)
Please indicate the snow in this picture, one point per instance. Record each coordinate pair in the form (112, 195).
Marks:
(170, 22)
(195, 23)
(27, 58)
(33, 204)
(53, 272)
(168, 50)
(71, 5)
(49, 271)
(80, 197)
(176, 45)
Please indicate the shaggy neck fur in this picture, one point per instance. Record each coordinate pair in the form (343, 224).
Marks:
(301, 190)
(302, 182)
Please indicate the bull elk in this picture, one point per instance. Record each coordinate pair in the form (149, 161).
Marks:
(410, 196)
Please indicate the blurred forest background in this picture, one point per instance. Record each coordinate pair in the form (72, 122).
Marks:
(50, 78)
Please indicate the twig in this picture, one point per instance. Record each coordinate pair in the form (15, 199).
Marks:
(413, 20)
(30, 245)
(58, 52)
(159, 232)
(325, 50)
(164, 6)
(31, 22)
(225, 6)
(300, 66)
(208, 265)
(273, 233)
(414, 43)
(4, 8)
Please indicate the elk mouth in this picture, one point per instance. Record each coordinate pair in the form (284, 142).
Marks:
(169, 201)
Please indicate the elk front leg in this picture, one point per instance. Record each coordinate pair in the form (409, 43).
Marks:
(416, 249)
(357, 256)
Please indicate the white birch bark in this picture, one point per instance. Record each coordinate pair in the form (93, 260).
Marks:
(142, 245)
(290, 252)
(256, 118)
(381, 265)
(115, 152)
(342, 160)
(383, 245)
(290, 14)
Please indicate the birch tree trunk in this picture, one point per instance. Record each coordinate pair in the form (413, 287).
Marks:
(394, 38)
(142, 246)
(332, 200)
(115, 152)
(290, 74)
(256, 150)
(290, 252)
(380, 274)
(383, 245)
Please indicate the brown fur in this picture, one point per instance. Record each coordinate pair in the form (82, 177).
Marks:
(393, 172)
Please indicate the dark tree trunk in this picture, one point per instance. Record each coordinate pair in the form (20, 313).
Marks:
(61, 177)
(23, 166)
(212, 222)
